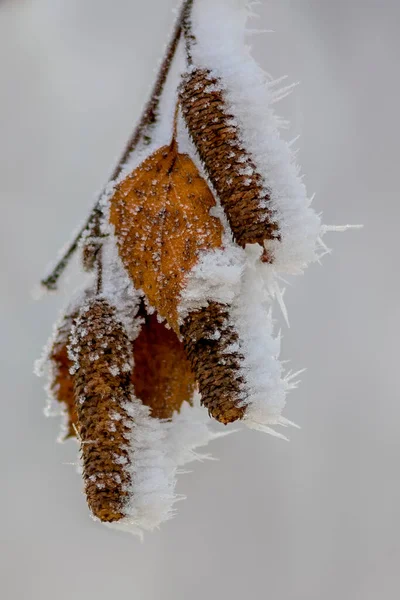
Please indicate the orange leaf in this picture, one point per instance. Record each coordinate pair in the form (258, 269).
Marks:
(161, 217)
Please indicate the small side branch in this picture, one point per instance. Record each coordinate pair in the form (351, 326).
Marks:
(148, 119)
(187, 30)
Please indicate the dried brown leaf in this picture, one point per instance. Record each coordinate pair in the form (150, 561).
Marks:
(61, 382)
(162, 377)
(161, 217)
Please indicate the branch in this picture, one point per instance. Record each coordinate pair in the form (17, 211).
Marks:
(148, 119)
(187, 29)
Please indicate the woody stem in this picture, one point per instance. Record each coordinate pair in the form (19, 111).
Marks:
(175, 126)
(148, 119)
(187, 30)
(99, 269)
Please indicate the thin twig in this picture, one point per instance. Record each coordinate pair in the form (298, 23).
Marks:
(187, 30)
(175, 127)
(91, 242)
(99, 268)
(148, 119)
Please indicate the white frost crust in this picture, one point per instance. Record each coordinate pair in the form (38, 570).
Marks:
(44, 367)
(250, 94)
(190, 429)
(117, 286)
(217, 276)
(158, 449)
(78, 299)
(251, 314)
(235, 277)
(152, 474)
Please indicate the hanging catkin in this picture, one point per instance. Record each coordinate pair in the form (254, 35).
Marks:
(103, 392)
(212, 347)
(61, 385)
(230, 168)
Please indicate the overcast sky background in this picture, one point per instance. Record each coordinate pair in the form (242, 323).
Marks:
(313, 519)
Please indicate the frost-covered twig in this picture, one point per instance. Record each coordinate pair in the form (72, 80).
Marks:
(142, 131)
(187, 29)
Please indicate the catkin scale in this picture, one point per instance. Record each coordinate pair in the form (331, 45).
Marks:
(229, 166)
(211, 341)
(103, 392)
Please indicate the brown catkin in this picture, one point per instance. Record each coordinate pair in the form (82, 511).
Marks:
(227, 163)
(103, 392)
(210, 342)
(61, 381)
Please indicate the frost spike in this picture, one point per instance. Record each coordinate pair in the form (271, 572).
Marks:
(227, 163)
(103, 393)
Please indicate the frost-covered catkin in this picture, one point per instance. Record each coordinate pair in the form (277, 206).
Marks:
(103, 391)
(212, 347)
(228, 104)
(230, 168)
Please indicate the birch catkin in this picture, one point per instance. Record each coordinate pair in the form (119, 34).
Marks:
(229, 166)
(103, 392)
(212, 347)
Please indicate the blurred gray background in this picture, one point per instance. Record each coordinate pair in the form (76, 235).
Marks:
(313, 519)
